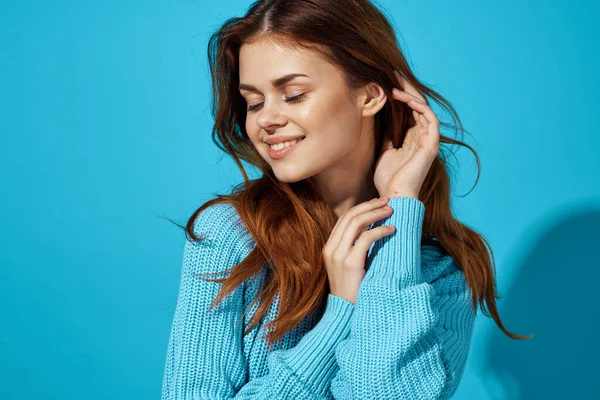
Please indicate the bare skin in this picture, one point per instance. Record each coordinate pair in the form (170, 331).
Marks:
(338, 147)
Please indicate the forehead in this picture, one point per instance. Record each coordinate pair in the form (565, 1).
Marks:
(264, 60)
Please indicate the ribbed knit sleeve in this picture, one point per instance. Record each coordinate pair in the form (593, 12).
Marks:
(409, 335)
(205, 358)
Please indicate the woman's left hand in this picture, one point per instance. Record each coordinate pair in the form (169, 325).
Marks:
(402, 171)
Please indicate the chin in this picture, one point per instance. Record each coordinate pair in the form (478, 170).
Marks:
(288, 175)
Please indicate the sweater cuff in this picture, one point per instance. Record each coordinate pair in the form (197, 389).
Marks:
(313, 358)
(397, 257)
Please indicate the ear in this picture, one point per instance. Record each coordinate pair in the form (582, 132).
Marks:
(372, 100)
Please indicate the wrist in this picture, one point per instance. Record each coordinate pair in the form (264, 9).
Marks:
(402, 193)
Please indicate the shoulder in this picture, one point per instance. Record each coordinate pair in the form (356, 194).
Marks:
(225, 237)
(220, 223)
(217, 218)
(441, 269)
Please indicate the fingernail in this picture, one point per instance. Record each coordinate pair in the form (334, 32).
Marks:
(384, 198)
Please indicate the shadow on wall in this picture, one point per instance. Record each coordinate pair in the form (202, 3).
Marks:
(555, 294)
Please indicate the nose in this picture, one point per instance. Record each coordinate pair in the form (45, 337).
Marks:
(269, 117)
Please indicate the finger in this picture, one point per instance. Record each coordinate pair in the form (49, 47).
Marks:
(427, 113)
(387, 144)
(340, 226)
(357, 223)
(403, 95)
(368, 238)
(415, 116)
(423, 121)
(364, 229)
(406, 97)
(409, 87)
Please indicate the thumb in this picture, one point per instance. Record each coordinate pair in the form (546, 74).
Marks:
(387, 144)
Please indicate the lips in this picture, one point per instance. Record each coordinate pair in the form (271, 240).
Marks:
(283, 152)
(282, 139)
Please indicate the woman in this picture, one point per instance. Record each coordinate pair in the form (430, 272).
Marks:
(358, 170)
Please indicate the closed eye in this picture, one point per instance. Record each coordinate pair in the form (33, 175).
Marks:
(293, 99)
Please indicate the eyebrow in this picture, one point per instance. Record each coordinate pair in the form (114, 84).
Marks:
(276, 83)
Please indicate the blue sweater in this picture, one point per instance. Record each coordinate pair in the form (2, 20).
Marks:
(407, 336)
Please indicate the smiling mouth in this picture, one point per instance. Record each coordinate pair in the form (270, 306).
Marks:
(282, 151)
(279, 146)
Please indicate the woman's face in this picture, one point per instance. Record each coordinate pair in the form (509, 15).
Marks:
(336, 136)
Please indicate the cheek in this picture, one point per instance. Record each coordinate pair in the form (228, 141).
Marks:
(334, 121)
(253, 132)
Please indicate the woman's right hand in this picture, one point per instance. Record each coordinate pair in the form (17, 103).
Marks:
(345, 259)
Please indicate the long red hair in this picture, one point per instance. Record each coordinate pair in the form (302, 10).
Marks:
(290, 222)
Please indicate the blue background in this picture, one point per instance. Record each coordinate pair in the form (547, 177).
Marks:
(105, 127)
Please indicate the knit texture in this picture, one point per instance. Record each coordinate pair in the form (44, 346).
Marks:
(407, 336)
